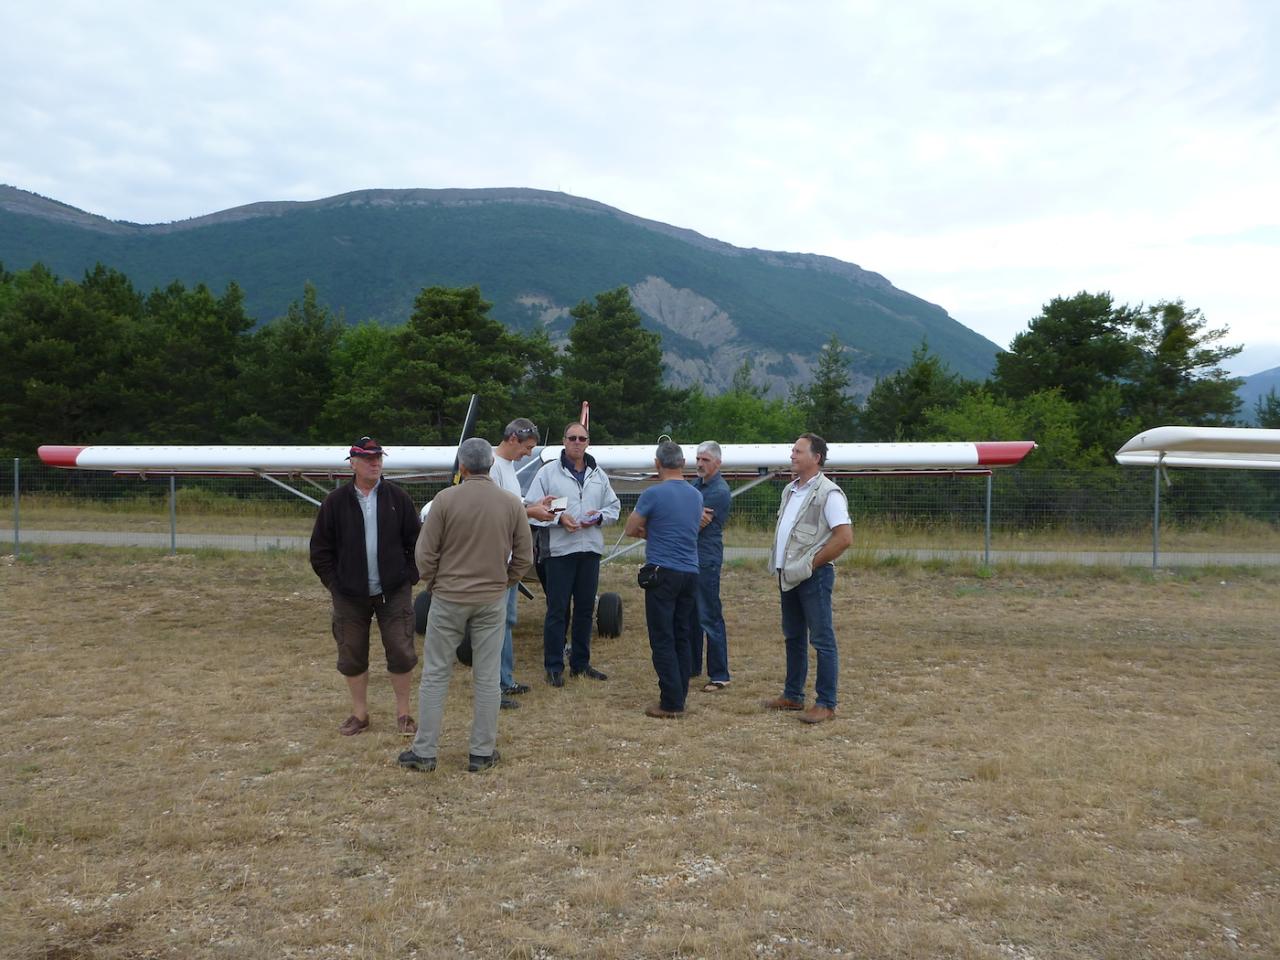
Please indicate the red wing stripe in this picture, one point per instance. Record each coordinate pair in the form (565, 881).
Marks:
(58, 456)
(1003, 453)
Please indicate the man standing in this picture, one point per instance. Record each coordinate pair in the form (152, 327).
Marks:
(813, 530)
(576, 544)
(362, 550)
(474, 547)
(715, 510)
(518, 440)
(667, 517)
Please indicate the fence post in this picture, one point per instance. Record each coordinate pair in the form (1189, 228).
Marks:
(173, 517)
(17, 511)
(986, 540)
(1155, 523)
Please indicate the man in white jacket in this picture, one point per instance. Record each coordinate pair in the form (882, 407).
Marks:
(813, 530)
(584, 502)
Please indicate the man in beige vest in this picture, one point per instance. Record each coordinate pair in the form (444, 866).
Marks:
(474, 546)
(813, 530)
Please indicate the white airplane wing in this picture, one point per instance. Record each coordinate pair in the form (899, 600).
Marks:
(233, 460)
(741, 459)
(1237, 448)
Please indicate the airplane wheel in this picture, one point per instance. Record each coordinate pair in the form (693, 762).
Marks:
(421, 607)
(609, 615)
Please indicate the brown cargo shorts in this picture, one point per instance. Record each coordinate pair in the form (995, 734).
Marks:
(352, 618)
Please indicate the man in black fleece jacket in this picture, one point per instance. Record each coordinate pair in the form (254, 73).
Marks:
(362, 550)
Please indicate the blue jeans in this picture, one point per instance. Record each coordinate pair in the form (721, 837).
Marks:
(507, 673)
(671, 614)
(571, 578)
(806, 619)
(711, 621)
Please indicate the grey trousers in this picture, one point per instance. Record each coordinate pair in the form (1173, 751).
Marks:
(445, 626)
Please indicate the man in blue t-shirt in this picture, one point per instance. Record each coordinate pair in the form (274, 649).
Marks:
(667, 517)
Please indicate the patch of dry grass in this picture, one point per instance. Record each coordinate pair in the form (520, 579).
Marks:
(1055, 764)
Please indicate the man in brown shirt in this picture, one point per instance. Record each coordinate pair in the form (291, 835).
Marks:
(474, 545)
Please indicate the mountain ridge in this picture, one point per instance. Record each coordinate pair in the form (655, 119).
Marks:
(534, 253)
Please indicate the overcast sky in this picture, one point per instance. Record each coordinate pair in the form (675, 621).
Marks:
(986, 156)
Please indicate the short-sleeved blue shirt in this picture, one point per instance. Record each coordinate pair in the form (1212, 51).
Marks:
(715, 494)
(672, 511)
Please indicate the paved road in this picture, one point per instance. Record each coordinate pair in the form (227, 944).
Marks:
(1090, 558)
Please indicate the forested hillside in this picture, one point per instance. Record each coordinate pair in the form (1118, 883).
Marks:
(534, 254)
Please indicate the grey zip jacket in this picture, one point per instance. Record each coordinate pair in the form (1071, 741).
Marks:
(595, 493)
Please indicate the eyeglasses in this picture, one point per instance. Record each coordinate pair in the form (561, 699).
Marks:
(577, 439)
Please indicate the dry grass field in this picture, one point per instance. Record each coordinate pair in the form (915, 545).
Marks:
(1049, 764)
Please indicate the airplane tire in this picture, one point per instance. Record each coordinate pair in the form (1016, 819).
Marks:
(609, 615)
(421, 607)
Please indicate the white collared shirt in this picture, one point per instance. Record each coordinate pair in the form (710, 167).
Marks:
(369, 507)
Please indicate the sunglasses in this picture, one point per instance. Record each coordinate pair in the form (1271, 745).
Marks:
(526, 433)
(578, 438)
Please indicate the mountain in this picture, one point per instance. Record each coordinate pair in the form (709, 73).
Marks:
(1255, 388)
(534, 254)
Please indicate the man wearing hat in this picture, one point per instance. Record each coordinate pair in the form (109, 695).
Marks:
(362, 550)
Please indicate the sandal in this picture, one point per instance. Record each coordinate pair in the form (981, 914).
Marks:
(714, 686)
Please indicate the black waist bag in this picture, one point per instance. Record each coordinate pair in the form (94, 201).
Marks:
(647, 575)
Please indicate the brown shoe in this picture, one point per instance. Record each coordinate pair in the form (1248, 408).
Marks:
(353, 725)
(657, 712)
(781, 703)
(817, 714)
(406, 725)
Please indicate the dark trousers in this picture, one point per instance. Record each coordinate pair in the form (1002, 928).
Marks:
(711, 618)
(572, 578)
(671, 613)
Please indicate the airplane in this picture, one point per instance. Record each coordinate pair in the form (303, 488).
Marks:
(1233, 448)
(315, 465)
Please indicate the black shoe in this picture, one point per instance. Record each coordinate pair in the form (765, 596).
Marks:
(411, 761)
(475, 764)
(589, 671)
(516, 689)
(555, 678)
(506, 703)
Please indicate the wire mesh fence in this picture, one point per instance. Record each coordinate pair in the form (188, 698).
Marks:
(1099, 516)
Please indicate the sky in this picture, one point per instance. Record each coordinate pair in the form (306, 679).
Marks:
(985, 156)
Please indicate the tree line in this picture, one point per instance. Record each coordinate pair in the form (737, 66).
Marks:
(97, 361)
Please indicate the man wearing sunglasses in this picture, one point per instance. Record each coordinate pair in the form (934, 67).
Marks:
(518, 440)
(583, 501)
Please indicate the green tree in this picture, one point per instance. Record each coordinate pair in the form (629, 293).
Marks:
(361, 401)
(1046, 417)
(896, 406)
(616, 364)
(1266, 410)
(286, 374)
(413, 383)
(824, 402)
(1177, 377)
(541, 394)
(64, 357)
(742, 414)
(1077, 344)
(187, 352)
